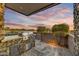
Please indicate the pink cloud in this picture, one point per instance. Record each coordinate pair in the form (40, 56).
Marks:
(41, 17)
(64, 10)
(47, 14)
(18, 26)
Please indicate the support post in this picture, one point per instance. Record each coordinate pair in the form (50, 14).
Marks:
(1, 21)
(76, 28)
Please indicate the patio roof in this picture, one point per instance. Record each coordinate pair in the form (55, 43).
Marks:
(29, 8)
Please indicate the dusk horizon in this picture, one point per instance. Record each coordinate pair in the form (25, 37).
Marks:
(59, 14)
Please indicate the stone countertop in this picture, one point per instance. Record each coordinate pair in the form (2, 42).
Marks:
(8, 38)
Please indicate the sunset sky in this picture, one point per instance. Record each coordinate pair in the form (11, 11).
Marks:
(62, 13)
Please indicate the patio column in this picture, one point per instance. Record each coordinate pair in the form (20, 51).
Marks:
(76, 28)
(1, 21)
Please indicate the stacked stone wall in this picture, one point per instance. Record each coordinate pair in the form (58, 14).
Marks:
(7, 46)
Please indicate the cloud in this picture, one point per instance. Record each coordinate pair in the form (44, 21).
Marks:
(64, 10)
(52, 12)
(19, 26)
(52, 21)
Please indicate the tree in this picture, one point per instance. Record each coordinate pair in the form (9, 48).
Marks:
(42, 29)
(60, 31)
(60, 27)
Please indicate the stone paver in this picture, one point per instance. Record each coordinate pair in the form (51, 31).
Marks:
(43, 49)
